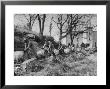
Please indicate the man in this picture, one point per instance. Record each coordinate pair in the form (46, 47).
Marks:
(31, 47)
(72, 47)
(60, 48)
(26, 43)
(45, 46)
(27, 40)
(50, 47)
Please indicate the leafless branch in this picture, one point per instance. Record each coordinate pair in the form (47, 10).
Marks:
(34, 20)
(26, 18)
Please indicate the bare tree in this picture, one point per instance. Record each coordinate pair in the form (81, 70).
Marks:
(61, 24)
(30, 20)
(72, 23)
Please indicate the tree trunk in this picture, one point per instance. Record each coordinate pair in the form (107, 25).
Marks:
(44, 16)
(30, 28)
(71, 37)
(60, 37)
(71, 30)
(41, 24)
(40, 33)
(50, 28)
(60, 33)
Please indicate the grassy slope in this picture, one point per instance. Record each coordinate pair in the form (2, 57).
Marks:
(67, 66)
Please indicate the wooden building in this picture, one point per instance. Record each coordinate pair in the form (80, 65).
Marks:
(88, 37)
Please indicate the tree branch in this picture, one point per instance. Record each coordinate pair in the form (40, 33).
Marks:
(26, 18)
(55, 22)
(58, 26)
(65, 21)
(34, 20)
